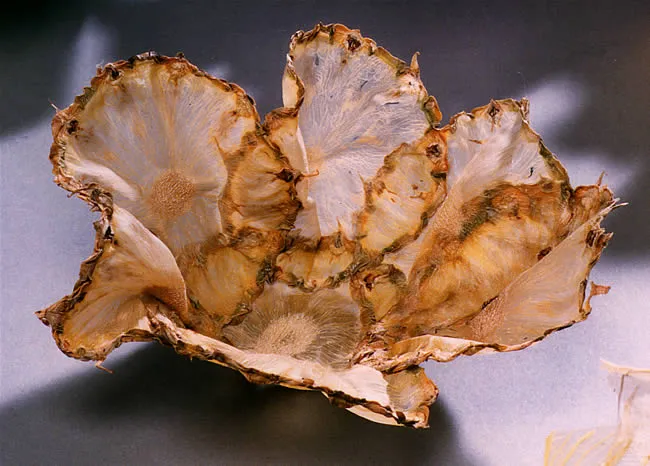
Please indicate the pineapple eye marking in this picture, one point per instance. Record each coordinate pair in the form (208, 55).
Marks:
(289, 335)
(171, 195)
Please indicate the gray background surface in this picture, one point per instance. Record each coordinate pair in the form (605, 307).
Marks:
(584, 66)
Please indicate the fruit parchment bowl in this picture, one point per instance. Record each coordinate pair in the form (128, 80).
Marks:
(337, 244)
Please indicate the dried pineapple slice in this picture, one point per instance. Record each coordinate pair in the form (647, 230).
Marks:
(129, 275)
(357, 105)
(361, 389)
(145, 131)
(313, 264)
(216, 297)
(509, 198)
(404, 194)
(628, 443)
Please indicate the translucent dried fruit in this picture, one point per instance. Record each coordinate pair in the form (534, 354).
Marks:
(627, 443)
(334, 246)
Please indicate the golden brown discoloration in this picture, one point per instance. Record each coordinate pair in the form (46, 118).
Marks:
(412, 391)
(461, 270)
(261, 188)
(486, 324)
(490, 329)
(217, 298)
(587, 201)
(474, 247)
(412, 179)
(325, 263)
(454, 257)
(379, 290)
